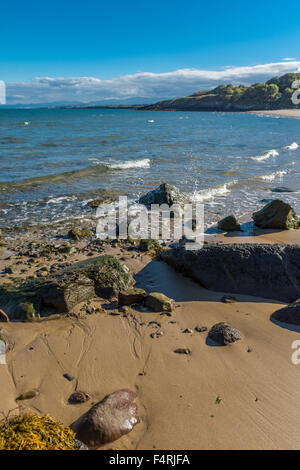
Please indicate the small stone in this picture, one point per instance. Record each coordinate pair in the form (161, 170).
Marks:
(28, 395)
(200, 329)
(68, 377)
(187, 330)
(79, 234)
(182, 351)
(11, 269)
(149, 244)
(229, 224)
(78, 397)
(228, 299)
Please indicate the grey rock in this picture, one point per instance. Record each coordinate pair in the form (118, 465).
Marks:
(289, 314)
(165, 194)
(159, 302)
(262, 270)
(131, 296)
(277, 215)
(282, 189)
(223, 334)
(229, 224)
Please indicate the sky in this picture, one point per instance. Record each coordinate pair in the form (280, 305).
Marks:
(98, 50)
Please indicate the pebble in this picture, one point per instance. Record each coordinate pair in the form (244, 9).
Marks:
(68, 377)
(200, 329)
(182, 351)
(78, 397)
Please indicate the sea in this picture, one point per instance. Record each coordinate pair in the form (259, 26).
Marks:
(53, 162)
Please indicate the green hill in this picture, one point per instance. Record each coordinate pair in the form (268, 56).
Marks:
(274, 94)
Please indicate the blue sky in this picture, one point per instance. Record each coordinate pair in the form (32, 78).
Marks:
(111, 39)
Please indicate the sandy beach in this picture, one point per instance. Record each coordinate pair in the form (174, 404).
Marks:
(294, 113)
(105, 350)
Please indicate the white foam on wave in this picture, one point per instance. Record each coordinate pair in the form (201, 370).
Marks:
(57, 200)
(292, 146)
(211, 193)
(265, 156)
(273, 176)
(144, 163)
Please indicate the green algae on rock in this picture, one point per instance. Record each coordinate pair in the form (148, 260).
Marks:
(277, 215)
(104, 276)
(79, 233)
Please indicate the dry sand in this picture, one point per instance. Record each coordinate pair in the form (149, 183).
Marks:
(258, 385)
(295, 113)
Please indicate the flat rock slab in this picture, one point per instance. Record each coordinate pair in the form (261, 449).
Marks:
(262, 270)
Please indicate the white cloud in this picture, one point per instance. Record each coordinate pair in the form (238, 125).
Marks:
(142, 84)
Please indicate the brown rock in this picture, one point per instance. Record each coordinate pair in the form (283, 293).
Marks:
(109, 419)
(159, 302)
(78, 397)
(182, 351)
(131, 296)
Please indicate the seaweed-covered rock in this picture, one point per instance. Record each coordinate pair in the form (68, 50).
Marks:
(108, 420)
(277, 215)
(159, 302)
(79, 233)
(229, 224)
(289, 314)
(104, 276)
(223, 334)
(262, 270)
(148, 244)
(165, 194)
(131, 296)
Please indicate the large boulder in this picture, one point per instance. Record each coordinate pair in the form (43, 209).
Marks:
(263, 270)
(104, 276)
(108, 420)
(289, 314)
(277, 215)
(165, 194)
(223, 334)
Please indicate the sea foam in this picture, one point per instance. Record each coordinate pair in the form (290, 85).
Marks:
(210, 193)
(292, 146)
(265, 156)
(144, 163)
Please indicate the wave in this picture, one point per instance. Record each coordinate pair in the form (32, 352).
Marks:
(273, 176)
(265, 156)
(208, 194)
(144, 163)
(292, 146)
(92, 171)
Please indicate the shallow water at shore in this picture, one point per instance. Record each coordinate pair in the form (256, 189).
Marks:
(52, 162)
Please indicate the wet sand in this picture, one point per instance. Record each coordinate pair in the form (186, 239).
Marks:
(258, 385)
